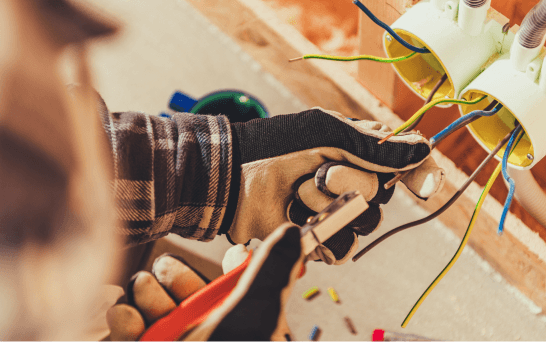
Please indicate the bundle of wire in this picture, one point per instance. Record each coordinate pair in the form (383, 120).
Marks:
(398, 176)
(423, 110)
(469, 118)
(465, 120)
(443, 208)
(509, 137)
(509, 149)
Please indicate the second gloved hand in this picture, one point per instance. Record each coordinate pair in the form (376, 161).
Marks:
(290, 167)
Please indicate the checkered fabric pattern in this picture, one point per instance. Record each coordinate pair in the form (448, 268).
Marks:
(171, 175)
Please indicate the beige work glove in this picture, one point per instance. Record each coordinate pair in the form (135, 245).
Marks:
(253, 310)
(290, 167)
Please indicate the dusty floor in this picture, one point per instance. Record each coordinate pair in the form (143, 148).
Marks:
(174, 47)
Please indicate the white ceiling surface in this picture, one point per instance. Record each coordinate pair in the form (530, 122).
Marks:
(170, 47)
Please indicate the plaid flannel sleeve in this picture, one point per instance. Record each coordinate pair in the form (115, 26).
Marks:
(171, 175)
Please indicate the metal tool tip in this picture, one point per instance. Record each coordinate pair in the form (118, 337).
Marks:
(295, 59)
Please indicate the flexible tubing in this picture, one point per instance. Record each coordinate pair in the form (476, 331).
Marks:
(530, 194)
(533, 27)
(475, 3)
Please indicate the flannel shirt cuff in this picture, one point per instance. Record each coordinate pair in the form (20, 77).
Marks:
(171, 175)
(205, 147)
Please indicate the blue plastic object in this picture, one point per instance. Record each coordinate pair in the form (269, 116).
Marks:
(237, 105)
(314, 333)
(181, 102)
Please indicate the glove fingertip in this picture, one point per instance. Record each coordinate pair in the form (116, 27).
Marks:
(426, 180)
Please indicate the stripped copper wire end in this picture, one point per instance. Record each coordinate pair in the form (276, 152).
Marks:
(395, 180)
(385, 138)
(295, 59)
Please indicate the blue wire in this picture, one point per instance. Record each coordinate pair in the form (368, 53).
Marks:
(457, 123)
(389, 29)
(508, 179)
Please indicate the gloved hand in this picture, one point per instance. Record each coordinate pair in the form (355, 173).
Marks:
(292, 166)
(253, 310)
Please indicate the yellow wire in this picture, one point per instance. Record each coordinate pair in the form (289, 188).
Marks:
(461, 246)
(430, 105)
(361, 57)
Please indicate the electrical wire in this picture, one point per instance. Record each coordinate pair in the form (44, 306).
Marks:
(510, 181)
(443, 208)
(423, 110)
(389, 29)
(459, 250)
(463, 121)
(437, 138)
(501, 166)
(398, 175)
(356, 58)
(429, 98)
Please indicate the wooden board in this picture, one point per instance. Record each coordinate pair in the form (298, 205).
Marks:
(271, 43)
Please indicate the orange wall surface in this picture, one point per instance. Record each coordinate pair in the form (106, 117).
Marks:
(515, 10)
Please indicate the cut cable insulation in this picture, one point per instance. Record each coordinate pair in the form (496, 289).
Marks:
(510, 181)
(389, 29)
(424, 109)
(355, 58)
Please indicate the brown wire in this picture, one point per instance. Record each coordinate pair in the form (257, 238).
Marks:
(429, 98)
(443, 208)
(399, 175)
(412, 126)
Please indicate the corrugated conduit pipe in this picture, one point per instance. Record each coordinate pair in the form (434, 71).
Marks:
(529, 194)
(527, 46)
(530, 37)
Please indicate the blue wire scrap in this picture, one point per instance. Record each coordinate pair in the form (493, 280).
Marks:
(389, 29)
(510, 181)
(463, 121)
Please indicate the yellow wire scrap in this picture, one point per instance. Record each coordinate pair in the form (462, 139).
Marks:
(428, 106)
(356, 58)
(461, 246)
